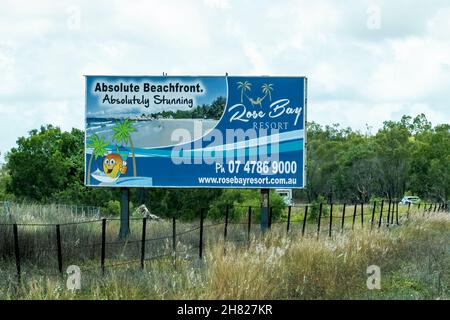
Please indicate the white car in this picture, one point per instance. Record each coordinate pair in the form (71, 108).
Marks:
(410, 199)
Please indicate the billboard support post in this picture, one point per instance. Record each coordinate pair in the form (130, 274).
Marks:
(264, 210)
(124, 213)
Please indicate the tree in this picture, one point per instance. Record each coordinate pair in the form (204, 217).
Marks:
(41, 164)
(48, 166)
(429, 171)
(393, 148)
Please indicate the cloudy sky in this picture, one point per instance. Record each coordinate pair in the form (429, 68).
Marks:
(367, 61)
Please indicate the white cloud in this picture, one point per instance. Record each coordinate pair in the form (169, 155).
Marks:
(356, 75)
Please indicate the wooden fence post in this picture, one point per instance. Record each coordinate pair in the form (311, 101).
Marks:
(59, 248)
(409, 208)
(304, 220)
(380, 219)
(392, 213)
(102, 258)
(318, 223)
(225, 231)
(289, 219)
(16, 249)
(249, 222)
(354, 216)
(362, 215)
(389, 213)
(200, 248)
(331, 220)
(343, 218)
(174, 235)
(396, 213)
(144, 229)
(373, 214)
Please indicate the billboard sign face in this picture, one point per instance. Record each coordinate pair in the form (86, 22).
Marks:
(195, 131)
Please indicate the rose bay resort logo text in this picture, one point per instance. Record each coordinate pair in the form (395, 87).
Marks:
(223, 146)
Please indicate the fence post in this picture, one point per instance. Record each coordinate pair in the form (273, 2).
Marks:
(409, 207)
(396, 213)
(102, 258)
(354, 216)
(331, 220)
(200, 248)
(343, 218)
(380, 219)
(59, 248)
(225, 231)
(373, 214)
(144, 229)
(435, 207)
(270, 217)
(389, 213)
(393, 211)
(362, 215)
(174, 234)
(249, 225)
(304, 220)
(16, 249)
(318, 223)
(289, 219)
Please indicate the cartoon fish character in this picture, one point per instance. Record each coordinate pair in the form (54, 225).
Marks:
(113, 165)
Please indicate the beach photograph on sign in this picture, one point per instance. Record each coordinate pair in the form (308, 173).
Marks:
(216, 131)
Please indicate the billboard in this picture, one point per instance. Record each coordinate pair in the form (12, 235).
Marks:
(195, 131)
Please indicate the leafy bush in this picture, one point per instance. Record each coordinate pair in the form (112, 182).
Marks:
(112, 208)
(314, 209)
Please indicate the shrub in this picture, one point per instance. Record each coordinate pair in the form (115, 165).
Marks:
(112, 208)
(314, 208)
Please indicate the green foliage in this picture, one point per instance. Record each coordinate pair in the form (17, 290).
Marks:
(405, 156)
(239, 201)
(48, 166)
(314, 209)
(183, 203)
(112, 208)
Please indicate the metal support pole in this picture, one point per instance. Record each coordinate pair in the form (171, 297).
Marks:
(124, 213)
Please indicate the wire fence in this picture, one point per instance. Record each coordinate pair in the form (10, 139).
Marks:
(94, 244)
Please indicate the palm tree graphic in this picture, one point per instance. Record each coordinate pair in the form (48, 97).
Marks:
(99, 149)
(267, 90)
(244, 86)
(122, 133)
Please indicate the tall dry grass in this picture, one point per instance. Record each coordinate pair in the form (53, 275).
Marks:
(414, 259)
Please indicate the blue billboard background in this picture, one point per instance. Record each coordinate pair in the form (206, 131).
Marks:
(224, 131)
